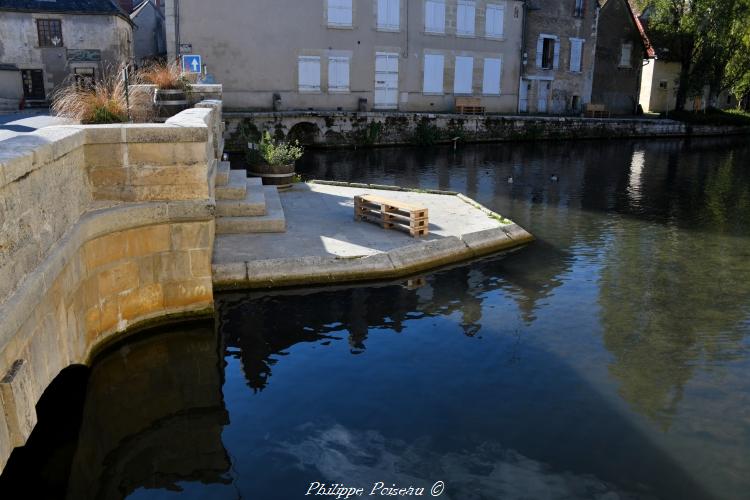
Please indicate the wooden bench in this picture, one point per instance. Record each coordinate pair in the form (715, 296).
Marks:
(469, 106)
(392, 214)
(596, 111)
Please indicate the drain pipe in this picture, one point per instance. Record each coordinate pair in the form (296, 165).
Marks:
(525, 13)
(177, 30)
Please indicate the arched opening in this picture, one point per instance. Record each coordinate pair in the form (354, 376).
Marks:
(304, 132)
(41, 467)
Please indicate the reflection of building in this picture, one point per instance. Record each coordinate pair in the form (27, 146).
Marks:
(50, 41)
(559, 56)
(415, 55)
(157, 397)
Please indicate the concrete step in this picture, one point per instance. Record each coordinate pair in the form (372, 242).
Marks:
(254, 203)
(273, 222)
(222, 174)
(235, 189)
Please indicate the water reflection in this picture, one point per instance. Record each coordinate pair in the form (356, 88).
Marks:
(153, 417)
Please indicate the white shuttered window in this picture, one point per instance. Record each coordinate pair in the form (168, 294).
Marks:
(434, 16)
(466, 15)
(491, 80)
(339, 12)
(494, 21)
(388, 14)
(576, 54)
(309, 73)
(463, 77)
(434, 65)
(338, 74)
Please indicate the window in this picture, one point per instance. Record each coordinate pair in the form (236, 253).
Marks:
(626, 53)
(339, 12)
(33, 84)
(663, 84)
(388, 14)
(309, 74)
(433, 74)
(491, 80)
(494, 21)
(579, 9)
(576, 54)
(465, 22)
(50, 32)
(434, 16)
(338, 74)
(85, 77)
(547, 52)
(462, 79)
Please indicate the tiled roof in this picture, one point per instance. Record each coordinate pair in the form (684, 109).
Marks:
(70, 6)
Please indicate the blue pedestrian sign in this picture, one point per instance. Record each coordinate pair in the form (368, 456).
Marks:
(191, 63)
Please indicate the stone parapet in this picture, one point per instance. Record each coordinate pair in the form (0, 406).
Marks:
(102, 229)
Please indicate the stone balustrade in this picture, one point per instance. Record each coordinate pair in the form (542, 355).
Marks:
(103, 229)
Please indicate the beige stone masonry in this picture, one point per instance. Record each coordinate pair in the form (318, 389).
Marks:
(102, 228)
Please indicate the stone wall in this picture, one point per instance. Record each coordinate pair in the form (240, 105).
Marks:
(102, 228)
(332, 129)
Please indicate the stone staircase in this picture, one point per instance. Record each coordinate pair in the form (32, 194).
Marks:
(245, 205)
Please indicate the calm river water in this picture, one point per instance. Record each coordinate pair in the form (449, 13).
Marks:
(608, 360)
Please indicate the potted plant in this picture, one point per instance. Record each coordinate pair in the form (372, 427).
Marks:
(172, 87)
(274, 161)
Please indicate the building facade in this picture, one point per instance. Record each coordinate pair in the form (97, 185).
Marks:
(50, 41)
(149, 35)
(559, 56)
(620, 51)
(416, 55)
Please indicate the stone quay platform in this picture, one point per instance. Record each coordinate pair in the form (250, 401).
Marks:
(324, 244)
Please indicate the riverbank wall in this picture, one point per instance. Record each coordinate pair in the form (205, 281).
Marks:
(348, 129)
(103, 229)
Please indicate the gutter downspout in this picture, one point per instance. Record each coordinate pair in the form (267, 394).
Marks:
(525, 11)
(177, 30)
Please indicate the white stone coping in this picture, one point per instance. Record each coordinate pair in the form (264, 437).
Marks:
(24, 153)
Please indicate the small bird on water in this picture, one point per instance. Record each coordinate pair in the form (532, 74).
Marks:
(510, 179)
(553, 178)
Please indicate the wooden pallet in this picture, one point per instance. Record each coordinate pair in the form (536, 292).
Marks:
(392, 214)
(469, 106)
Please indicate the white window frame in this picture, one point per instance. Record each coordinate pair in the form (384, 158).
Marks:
(628, 63)
(466, 14)
(459, 72)
(499, 9)
(310, 86)
(555, 52)
(334, 8)
(488, 86)
(438, 4)
(389, 15)
(430, 86)
(335, 86)
(576, 42)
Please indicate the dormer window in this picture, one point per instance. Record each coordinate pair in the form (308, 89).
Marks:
(50, 32)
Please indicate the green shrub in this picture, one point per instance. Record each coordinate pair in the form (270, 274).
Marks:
(425, 133)
(279, 153)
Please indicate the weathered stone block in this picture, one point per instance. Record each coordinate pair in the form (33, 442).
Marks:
(188, 293)
(171, 192)
(148, 240)
(172, 266)
(155, 154)
(121, 277)
(104, 250)
(104, 155)
(169, 174)
(142, 301)
(18, 402)
(200, 263)
(191, 235)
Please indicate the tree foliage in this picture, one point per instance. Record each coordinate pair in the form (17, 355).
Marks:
(709, 37)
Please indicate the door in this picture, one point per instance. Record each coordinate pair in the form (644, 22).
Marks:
(386, 80)
(33, 84)
(523, 96)
(541, 106)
